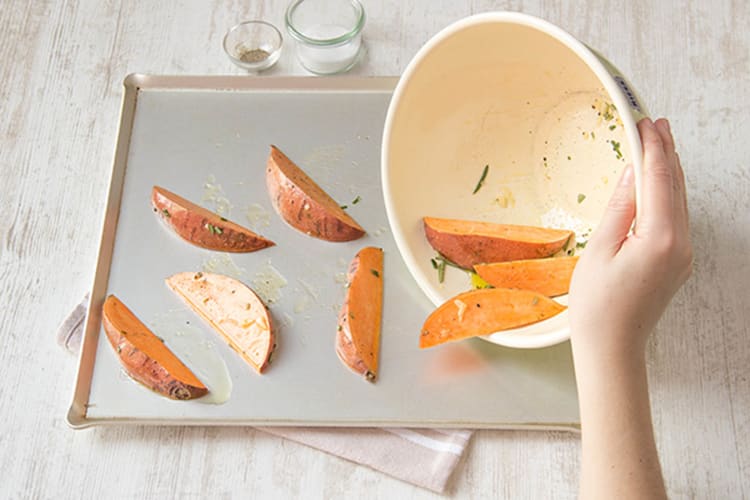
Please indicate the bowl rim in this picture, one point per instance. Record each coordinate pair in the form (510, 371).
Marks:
(589, 57)
(341, 39)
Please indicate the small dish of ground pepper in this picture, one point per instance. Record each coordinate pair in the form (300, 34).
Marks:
(253, 45)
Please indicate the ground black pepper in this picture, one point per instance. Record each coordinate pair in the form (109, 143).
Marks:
(253, 55)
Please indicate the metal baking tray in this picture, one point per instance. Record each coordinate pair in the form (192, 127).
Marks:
(207, 138)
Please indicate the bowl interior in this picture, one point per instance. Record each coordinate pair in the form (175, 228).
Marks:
(517, 99)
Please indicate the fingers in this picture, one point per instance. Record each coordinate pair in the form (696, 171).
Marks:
(658, 189)
(678, 176)
(662, 127)
(683, 192)
(618, 217)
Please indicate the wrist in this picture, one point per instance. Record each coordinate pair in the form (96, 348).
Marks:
(607, 349)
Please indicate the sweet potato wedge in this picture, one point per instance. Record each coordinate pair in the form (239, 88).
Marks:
(486, 311)
(202, 227)
(304, 205)
(358, 335)
(233, 310)
(467, 243)
(549, 276)
(145, 357)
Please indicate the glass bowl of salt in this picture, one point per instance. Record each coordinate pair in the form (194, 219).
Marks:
(253, 45)
(328, 34)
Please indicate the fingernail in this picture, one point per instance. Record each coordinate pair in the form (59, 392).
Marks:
(627, 175)
(663, 125)
(666, 123)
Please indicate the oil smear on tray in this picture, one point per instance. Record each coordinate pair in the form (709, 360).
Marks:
(179, 329)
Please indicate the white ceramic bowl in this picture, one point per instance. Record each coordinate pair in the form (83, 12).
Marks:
(555, 122)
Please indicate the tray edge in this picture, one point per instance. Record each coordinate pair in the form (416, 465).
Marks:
(76, 416)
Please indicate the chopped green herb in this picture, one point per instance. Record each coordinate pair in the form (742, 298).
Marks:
(568, 157)
(223, 219)
(616, 149)
(608, 109)
(214, 229)
(119, 349)
(441, 271)
(339, 329)
(375, 273)
(612, 127)
(351, 315)
(166, 212)
(356, 200)
(581, 244)
(344, 207)
(581, 197)
(481, 179)
(160, 338)
(440, 263)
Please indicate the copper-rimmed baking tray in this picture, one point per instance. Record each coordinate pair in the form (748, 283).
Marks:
(193, 134)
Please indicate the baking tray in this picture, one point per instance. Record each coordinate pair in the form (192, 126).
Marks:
(207, 138)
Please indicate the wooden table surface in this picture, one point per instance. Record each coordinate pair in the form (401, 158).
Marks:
(61, 69)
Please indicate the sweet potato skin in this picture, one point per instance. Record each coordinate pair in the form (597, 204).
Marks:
(144, 356)
(549, 276)
(202, 227)
(233, 310)
(304, 205)
(485, 311)
(468, 243)
(358, 335)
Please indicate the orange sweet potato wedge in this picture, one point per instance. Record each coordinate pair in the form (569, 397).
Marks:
(549, 276)
(233, 310)
(145, 357)
(468, 243)
(358, 335)
(202, 227)
(304, 205)
(485, 311)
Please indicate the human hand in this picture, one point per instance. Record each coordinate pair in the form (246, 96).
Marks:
(624, 282)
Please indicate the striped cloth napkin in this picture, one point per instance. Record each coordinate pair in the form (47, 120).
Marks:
(423, 457)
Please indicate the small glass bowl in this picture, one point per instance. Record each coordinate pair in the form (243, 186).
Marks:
(253, 45)
(328, 33)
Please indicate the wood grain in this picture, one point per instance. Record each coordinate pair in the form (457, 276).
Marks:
(61, 69)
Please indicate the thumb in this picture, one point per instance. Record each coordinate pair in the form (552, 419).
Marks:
(618, 217)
